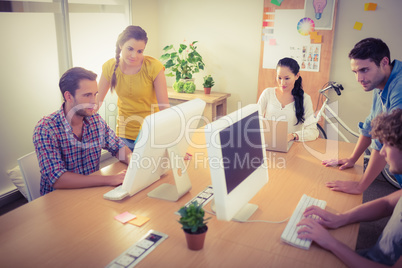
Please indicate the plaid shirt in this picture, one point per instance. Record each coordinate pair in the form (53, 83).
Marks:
(58, 149)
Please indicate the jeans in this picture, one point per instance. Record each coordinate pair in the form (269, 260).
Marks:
(130, 143)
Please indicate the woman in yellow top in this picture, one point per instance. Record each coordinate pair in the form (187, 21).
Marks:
(139, 82)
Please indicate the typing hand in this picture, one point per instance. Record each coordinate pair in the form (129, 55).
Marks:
(118, 178)
(349, 187)
(290, 137)
(326, 219)
(343, 163)
(313, 230)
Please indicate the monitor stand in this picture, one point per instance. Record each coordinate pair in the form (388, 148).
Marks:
(182, 185)
(243, 214)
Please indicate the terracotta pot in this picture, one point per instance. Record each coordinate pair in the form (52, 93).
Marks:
(207, 90)
(195, 241)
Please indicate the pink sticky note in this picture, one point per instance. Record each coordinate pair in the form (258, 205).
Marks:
(272, 42)
(125, 217)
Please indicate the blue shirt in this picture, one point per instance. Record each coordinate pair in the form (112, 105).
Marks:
(384, 101)
(58, 149)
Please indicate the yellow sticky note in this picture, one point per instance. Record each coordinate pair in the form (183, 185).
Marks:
(317, 39)
(358, 26)
(370, 6)
(313, 35)
(139, 220)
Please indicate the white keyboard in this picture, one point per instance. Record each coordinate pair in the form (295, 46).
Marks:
(289, 235)
(117, 193)
(202, 198)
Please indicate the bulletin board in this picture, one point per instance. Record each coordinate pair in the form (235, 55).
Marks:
(291, 29)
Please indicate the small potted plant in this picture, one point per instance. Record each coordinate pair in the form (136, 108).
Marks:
(194, 225)
(208, 83)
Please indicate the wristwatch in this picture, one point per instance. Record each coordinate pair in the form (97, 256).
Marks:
(294, 136)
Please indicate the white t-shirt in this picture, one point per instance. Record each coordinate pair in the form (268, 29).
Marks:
(388, 248)
(272, 109)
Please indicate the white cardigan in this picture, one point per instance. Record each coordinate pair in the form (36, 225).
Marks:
(272, 109)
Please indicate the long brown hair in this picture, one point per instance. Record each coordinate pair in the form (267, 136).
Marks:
(130, 32)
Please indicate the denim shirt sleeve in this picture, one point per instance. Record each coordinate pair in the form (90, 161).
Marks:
(365, 127)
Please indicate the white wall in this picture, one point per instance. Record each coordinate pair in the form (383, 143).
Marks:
(384, 23)
(229, 36)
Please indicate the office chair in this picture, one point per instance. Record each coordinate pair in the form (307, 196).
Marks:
(31, 174)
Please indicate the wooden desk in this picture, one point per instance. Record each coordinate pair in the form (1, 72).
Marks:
(216, 103)
(76, 228)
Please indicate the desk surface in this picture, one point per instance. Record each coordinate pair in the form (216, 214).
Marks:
(76, 228)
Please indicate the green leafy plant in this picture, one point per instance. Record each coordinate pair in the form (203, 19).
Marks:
(192, 218)
(184, 87)
(184, 62)
(208, 81)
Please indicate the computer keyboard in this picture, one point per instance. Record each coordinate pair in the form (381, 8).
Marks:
(202, 197)
(117, 193)
(289, 235)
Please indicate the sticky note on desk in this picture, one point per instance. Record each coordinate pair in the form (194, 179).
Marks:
(370, 6)
(125, 217)
(139, 220)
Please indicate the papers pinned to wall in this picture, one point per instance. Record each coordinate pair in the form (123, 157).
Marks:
(283, 39)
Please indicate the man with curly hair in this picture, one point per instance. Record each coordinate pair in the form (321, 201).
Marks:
(387, 128)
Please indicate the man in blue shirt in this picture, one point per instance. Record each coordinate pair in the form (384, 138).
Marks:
(388, 249)
(370, 61)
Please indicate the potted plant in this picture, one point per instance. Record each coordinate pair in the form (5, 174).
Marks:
(208, 83)
(183, 63)
(194, 225)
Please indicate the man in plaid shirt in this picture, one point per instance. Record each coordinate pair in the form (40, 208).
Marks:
(68, 142)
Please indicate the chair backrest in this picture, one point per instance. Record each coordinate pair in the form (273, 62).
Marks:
(31, 174)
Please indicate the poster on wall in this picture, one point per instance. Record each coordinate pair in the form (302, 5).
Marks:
(321, 12)
(284, 39)
(310, 58)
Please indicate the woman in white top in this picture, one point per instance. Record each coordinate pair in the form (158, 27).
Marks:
(288, 102)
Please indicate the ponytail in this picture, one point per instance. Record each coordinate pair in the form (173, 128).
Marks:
(298, 95)
(113, 81)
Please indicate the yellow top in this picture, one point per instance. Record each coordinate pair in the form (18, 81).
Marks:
(136, 95)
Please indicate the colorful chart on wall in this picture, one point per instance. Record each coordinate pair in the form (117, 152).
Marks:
(305, 26)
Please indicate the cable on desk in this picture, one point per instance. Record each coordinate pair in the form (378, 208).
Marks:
(252, 221)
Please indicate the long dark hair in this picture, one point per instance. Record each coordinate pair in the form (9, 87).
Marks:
(297, 90)
(130, 32)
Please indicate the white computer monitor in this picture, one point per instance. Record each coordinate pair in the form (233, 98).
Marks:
(161, 145)
(237, 162)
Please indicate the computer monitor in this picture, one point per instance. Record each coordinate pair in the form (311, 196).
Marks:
(237, 162)
(161, 145)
